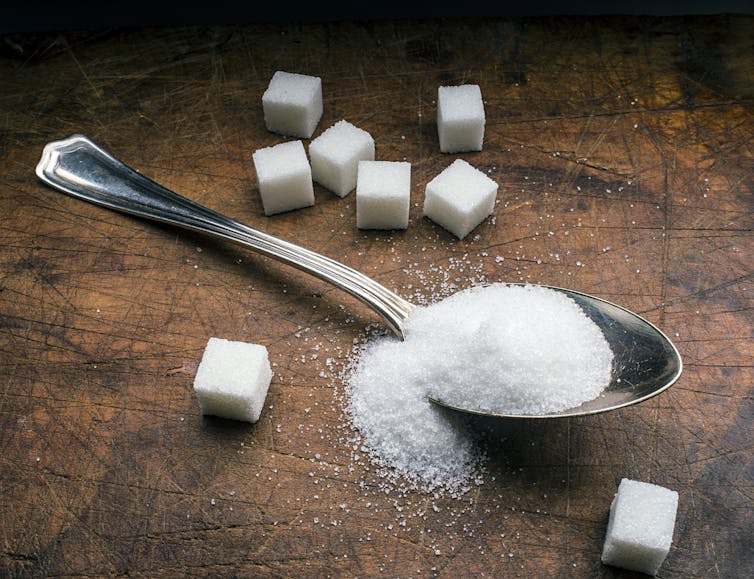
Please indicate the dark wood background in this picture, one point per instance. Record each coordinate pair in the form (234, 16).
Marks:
(623, 151)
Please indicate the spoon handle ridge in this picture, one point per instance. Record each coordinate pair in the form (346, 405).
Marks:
(78, 167)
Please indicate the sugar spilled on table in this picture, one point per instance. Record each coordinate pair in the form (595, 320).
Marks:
(517, 349)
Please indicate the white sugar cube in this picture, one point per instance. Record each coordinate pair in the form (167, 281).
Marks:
(292, 104)
(232, 379)
(383, 194)
(460, 118)
(460, 198)
(640, 527)
(335, 156)
(284, 177)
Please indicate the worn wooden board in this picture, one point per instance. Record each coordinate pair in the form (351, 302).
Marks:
(623, 151)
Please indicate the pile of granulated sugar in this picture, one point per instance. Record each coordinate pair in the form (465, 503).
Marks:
(515, 349)
(509, 349)
(414, 444)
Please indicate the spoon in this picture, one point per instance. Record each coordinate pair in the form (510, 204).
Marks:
(645, 361)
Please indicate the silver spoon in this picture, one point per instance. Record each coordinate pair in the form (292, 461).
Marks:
(645, 361)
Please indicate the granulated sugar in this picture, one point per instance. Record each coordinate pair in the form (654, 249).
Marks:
(514, 349)
(511, 349)
(401, 428)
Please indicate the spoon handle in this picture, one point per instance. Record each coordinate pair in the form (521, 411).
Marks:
(79, 167)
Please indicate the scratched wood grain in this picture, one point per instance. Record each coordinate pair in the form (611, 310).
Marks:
(623, 151)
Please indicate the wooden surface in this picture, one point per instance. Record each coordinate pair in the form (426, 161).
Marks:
(623, 151)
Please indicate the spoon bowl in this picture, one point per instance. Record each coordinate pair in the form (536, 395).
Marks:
(645, 361)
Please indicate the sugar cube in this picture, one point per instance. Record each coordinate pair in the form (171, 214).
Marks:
(284, 176)
(335, 156)
(292, 104)
(232, 379)
(460, 118)
(383, 194)
(460, 198)
(640, 526)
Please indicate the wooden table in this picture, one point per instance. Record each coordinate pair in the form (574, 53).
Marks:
(623, 152)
